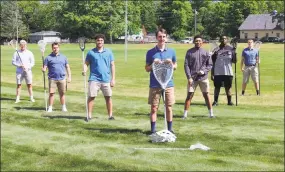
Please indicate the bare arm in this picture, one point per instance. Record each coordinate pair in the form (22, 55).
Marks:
(148, 68)
(241, 63)
(68, 72)
(113, 74)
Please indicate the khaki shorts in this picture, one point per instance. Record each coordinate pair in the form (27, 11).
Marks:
(28, 76)
(203, 84)
(250, 71)
(94, 88)
(59, 84)
(155, 94)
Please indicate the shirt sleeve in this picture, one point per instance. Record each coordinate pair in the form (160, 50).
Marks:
(32, 60)
(186, 65)
(87, 59)
(208, 64)
(111, 56)
(46, 61)
(148, 58)
(174, 58)
(15, 61)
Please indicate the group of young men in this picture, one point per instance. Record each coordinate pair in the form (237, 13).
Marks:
(198, 63)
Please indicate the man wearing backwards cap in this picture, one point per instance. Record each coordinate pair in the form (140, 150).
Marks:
(24, 61)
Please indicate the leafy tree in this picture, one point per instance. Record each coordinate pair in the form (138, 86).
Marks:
(148, 15)
(10, 20)
(175, 17)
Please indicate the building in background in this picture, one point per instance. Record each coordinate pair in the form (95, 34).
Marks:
(257, 26)
(48, 36)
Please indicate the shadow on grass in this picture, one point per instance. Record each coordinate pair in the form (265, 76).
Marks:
(158, 115)
(116, 130)
(4, 98)
(29, 108)
(64, 117)
(192, 104)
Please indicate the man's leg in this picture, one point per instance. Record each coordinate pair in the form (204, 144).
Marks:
(254, 76)
(169, 101)
(109, 106)
(90, 103)
(30, 90)
(61, 87)
(28, 78)
(208, 103)
(228, 85)
(153, 100)
(18, 93)
(187, 103)
(52, 87)
(246, 74)
(217, 85)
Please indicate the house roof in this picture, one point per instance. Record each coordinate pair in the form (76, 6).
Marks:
(259, 22)
(45, 33)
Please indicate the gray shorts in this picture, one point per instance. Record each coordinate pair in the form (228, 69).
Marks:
(250, 71)
(94, 88)
(28, 76)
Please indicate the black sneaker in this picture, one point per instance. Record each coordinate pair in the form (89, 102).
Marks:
(111, 118)
(88, 119)
(172, 131)
(231, 104)
(215, 103)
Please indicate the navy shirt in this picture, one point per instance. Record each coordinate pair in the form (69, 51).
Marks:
(56, 65)
(156, 53)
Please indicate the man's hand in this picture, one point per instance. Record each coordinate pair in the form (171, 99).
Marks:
(69, 79)
(201, 72)
(83, 73)
(190, 81)
(43, 69)
(112, 83)
(242, 69)
(157, 61)
(168, 61)
(212, 77)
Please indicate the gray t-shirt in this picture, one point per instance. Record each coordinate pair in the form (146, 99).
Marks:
(222, 61)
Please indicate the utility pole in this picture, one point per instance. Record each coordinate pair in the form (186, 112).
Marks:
(195, 21)
(126, 30)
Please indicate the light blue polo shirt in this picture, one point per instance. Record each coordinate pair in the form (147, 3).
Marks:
(162, 55)
(250, 56)
(100, 65)
(56, 65)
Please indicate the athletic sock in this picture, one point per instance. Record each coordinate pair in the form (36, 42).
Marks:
(18, 98)
(229, 99)
(242, 92)
(169, 125)
(211, 112)
(185, 113)
(152, 124)
(257, 92)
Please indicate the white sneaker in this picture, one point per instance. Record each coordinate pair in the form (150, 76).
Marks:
(17, 101)
(49, 109)
(32, 100)
(64, 109)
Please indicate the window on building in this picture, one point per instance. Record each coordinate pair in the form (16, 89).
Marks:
(267, 34)
(278, 35)
(245, 35)
(256, 35)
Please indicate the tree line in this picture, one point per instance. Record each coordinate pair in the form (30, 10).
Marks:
(88, 17)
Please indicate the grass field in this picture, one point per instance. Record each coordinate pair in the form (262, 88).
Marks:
(249, 137)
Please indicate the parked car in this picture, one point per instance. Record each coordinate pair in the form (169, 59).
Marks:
(270, 39)
(187, 40)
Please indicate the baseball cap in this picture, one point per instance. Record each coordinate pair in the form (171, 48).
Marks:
(23, 42)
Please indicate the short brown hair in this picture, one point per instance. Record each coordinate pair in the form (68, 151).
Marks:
(160, 30)
(55, 43)
(99, 36)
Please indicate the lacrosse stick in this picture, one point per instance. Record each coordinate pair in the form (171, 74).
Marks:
(42, 45)
(13, 44)
(163, 71)
(257, 45)
(81, 42)
(234, 45)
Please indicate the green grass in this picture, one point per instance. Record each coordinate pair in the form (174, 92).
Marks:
(249, 137)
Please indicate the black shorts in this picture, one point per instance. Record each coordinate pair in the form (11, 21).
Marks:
(223, 80)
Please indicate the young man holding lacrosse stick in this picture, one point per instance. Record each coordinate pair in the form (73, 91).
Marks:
(249, 61)
(24, 61)
(102, 75)
(160, 53)
(57, 66)
(197, 64)
(222, 71)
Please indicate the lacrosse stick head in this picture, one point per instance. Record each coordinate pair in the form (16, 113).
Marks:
(163, 136)
(81, 42)
(257, 44)
(234, 42)
(212, 46)
(163, 71)
(42, 45)
(13, 43)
